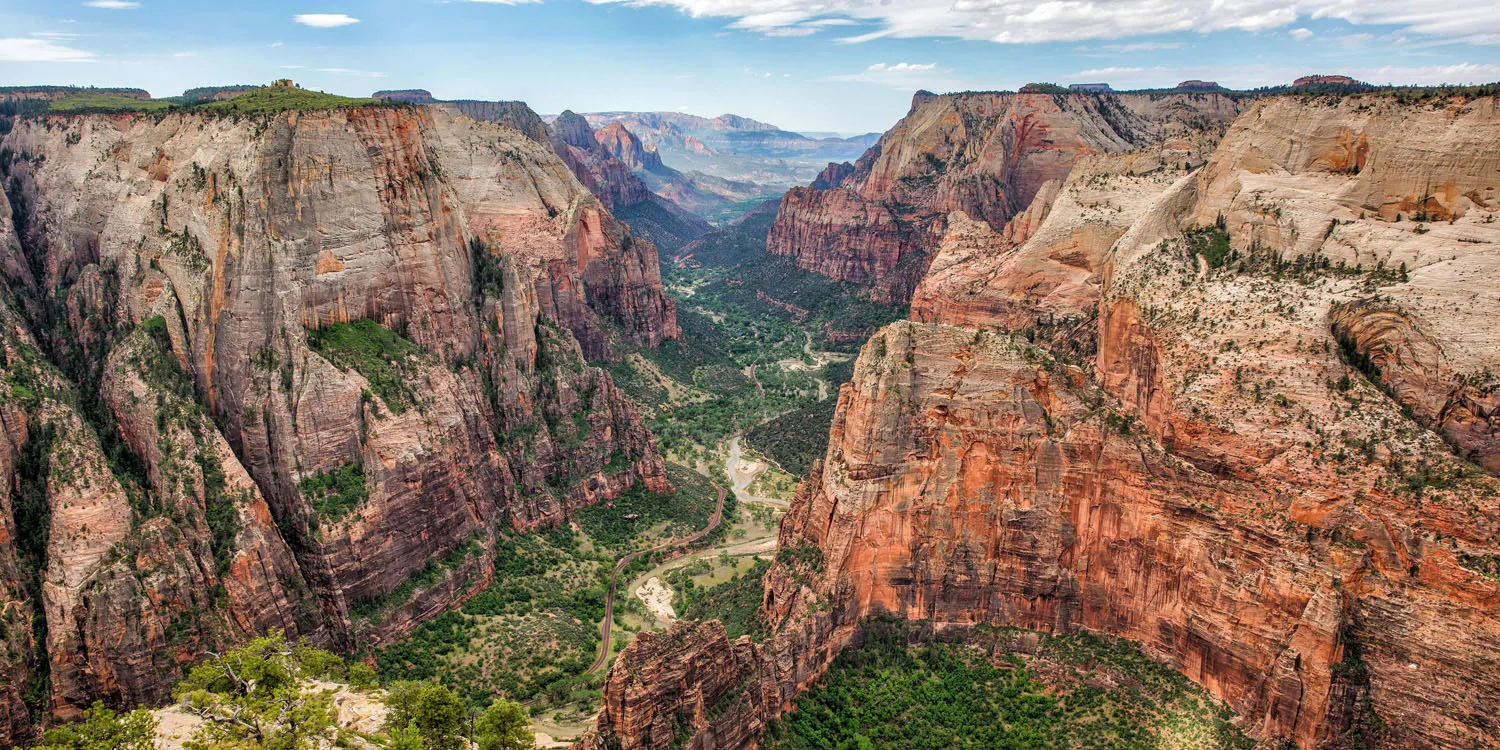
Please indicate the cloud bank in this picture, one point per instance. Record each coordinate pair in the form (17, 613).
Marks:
(324, 20)
(1025, 21)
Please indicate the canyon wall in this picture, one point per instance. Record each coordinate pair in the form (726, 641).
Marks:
(197, 451)
(1242, 416)
(985, 154)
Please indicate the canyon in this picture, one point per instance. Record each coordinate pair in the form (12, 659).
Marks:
(1207, 372)
(293, 371)
(1222, 386)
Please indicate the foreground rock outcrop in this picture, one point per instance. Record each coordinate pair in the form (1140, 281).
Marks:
(986, 154)
(1239, 416)
(291, 372)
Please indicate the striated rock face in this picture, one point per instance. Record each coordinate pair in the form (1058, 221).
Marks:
(986, 154)
(515, 114)
(833, 176)
(168, 418)
(1247, 456)
(627, 148)
(412, 96)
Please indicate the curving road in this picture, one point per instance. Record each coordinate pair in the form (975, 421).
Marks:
(614, 577)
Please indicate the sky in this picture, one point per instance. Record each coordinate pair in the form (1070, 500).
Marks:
(847, 66)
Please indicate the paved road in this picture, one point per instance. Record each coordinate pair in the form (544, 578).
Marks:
(614, 576)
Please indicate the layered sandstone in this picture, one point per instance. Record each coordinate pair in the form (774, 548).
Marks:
(985, 154)
(1256, 463)
(164, 276)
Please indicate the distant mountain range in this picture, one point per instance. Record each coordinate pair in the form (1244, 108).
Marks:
(736, 148)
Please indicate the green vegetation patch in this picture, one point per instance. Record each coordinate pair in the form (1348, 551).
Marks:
(273, 99)
(728, 246)
(1210, 242)
(798, 438)
(530, 635)
(622, 523)
(91, 102)
(334, 494)
(736, 602)
(387, 359)
(1076, 691)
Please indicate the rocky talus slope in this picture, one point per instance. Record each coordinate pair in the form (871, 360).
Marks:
(986, 154)
(289, 372)
(1243, 417)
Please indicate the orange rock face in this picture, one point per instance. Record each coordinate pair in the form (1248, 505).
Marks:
(165, 409)
(987, 155)
(1268, 466)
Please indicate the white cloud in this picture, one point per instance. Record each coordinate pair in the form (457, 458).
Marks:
(1024, 21)
(1126, 49)
(1429, 75)
(791, 31)
(113, 4)
(351, 72)
(274, 44)
(1112, 71)
(1301, 35)
(184, 54)
(782, 23)
(40, 50)
(324, 20)
(903, 75)
(503, 2)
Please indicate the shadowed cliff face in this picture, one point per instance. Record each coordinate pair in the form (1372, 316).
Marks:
(173, 432)
(987, 155)
(1224, 414)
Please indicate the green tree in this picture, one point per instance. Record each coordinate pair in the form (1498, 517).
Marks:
(437, 714)
(103, 729)
(503, 726)
(253, 697)
(405, 738)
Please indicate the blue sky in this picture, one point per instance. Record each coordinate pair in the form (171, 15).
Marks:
(825, 65)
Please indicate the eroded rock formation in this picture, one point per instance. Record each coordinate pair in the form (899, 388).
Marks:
(985, 154)
(184, 465)
(1226, 415)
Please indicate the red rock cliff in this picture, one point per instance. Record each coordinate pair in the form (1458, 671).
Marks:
(163, 280)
